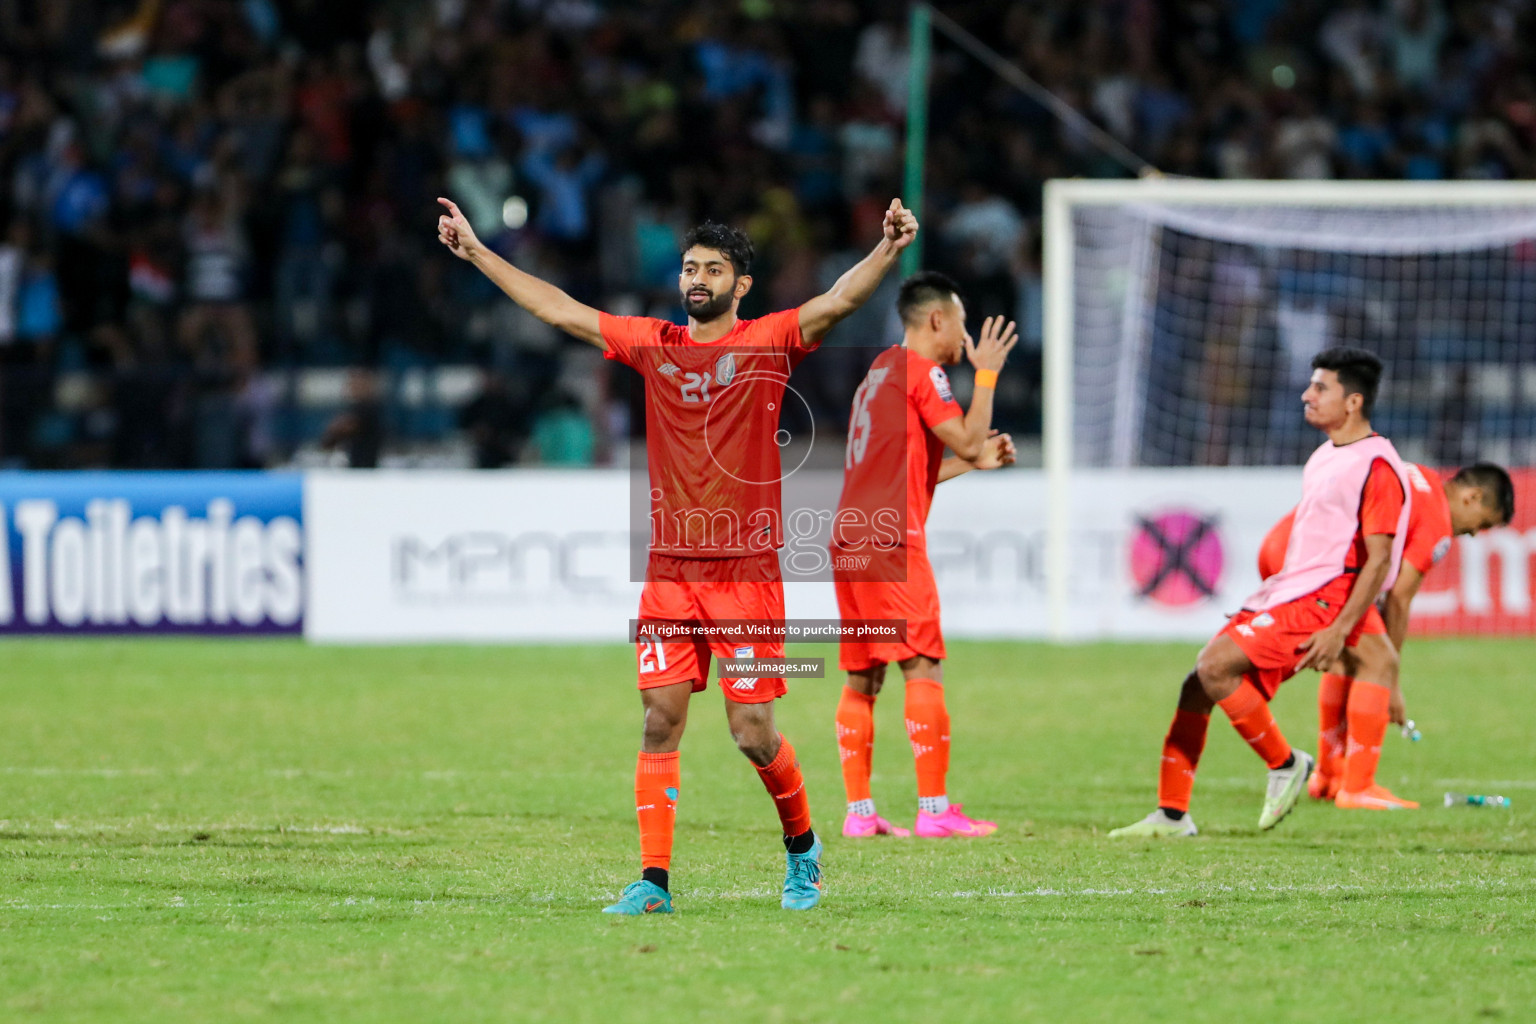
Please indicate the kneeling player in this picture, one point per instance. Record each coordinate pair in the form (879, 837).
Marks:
(1345, 547)
(1352, 713)
(903, 417)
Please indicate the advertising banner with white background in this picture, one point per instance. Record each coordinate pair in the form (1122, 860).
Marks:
(543, 555)
(495, 556)
(1155, 554)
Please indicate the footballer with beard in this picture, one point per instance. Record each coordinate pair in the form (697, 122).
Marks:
(714, 391)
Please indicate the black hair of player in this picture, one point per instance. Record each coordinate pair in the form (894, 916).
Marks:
(1498, 489)
(1359, 371)
(921, 288)
(732, 243)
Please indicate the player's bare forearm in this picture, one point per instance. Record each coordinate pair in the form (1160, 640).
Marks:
(995, 452)
(540, 298)
(978, 424)
(1378, 561)
(1398, 603)
(848, 293)
(953, 467)
(544, 300)
(998, 336)
(1395, 612)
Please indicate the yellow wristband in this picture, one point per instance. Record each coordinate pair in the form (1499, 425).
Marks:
(986, 378)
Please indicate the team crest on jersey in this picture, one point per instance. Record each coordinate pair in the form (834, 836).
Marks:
(1441, 550)
(941, 383)
(667, 369)
(725, 369)
(1263, 619)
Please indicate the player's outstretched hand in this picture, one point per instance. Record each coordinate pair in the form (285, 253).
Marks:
(997, 339)
(900, 225)
(1321, 649)
(453, 230)
(997, 452)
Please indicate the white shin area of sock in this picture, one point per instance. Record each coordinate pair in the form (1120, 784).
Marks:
(863, 808)
(933, 804)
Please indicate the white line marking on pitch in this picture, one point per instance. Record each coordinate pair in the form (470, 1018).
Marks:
(1308, 890)
(334, 830)
(431, 775)
(182, 903)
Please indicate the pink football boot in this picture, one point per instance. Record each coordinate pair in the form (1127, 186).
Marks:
(952, 823)
(859, 826)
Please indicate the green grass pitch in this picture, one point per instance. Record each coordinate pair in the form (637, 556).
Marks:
(198, 831)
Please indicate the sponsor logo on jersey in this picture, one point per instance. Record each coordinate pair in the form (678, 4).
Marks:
(1245, 629)
(941, 383)
(667, 369)
(725, 369)
(1442, 549)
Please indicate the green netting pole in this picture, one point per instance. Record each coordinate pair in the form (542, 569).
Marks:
(917, 130)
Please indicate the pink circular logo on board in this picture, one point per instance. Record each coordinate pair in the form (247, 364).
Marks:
(1176, 557)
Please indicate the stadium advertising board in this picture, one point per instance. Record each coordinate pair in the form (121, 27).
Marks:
(1155, 554)
(421, 556)
(544, 555)
(151, 553)
(1169, 553)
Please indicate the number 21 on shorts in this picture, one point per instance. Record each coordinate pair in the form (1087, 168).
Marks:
(653, 656)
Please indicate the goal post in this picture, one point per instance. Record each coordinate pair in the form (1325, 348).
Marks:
(1177, 312)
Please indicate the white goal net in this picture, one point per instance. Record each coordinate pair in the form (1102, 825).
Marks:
(1182, 317)
(1197, 310)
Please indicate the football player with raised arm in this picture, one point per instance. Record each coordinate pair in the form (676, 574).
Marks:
(714, 390)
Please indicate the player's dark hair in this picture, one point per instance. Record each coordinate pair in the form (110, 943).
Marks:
(732, 243)
(1359, 371)
(921, 288)
(1498, 489)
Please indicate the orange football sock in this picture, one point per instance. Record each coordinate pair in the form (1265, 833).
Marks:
(1332, 695)
(657, 780)
(1368, 717)
(856, 741)
(1181, 756)
(787, 787)
(928, 729)
(1251, 718)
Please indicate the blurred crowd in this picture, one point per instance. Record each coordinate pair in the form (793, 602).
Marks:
(216, 216)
